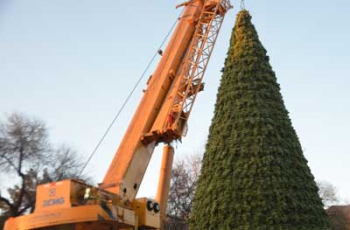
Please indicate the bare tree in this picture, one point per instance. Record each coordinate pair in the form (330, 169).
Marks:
(184, 179)
(66, 164)
(328, 193)
(28, 158)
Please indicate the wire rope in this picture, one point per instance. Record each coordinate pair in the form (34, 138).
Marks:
(242, 5)
(128, 98)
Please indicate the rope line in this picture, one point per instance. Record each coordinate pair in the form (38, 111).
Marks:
(242, 5)
(128, 97)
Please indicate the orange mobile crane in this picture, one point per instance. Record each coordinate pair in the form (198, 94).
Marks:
(161, 116)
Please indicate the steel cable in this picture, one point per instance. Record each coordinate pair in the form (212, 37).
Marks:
(128, 97)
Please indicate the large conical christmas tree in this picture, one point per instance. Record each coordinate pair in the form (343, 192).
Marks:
(254, 174)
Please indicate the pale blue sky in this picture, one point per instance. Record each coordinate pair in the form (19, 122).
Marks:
(72, 64)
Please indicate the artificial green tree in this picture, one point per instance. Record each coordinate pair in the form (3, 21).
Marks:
(254, 175)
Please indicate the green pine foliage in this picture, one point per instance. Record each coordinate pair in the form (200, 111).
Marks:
(254, 174)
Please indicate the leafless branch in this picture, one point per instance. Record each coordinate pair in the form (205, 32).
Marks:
(185, 174)
(6, 202)
(26, 153)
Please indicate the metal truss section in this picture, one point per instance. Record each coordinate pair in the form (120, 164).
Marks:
(196, 61)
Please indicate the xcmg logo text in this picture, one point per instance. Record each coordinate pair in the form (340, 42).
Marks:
(52, 202)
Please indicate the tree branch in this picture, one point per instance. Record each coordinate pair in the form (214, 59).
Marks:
(25, 208)
(9, 161)
(7, 202)
(23, 184)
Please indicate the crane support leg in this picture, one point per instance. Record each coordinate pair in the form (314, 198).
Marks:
(164, 181)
